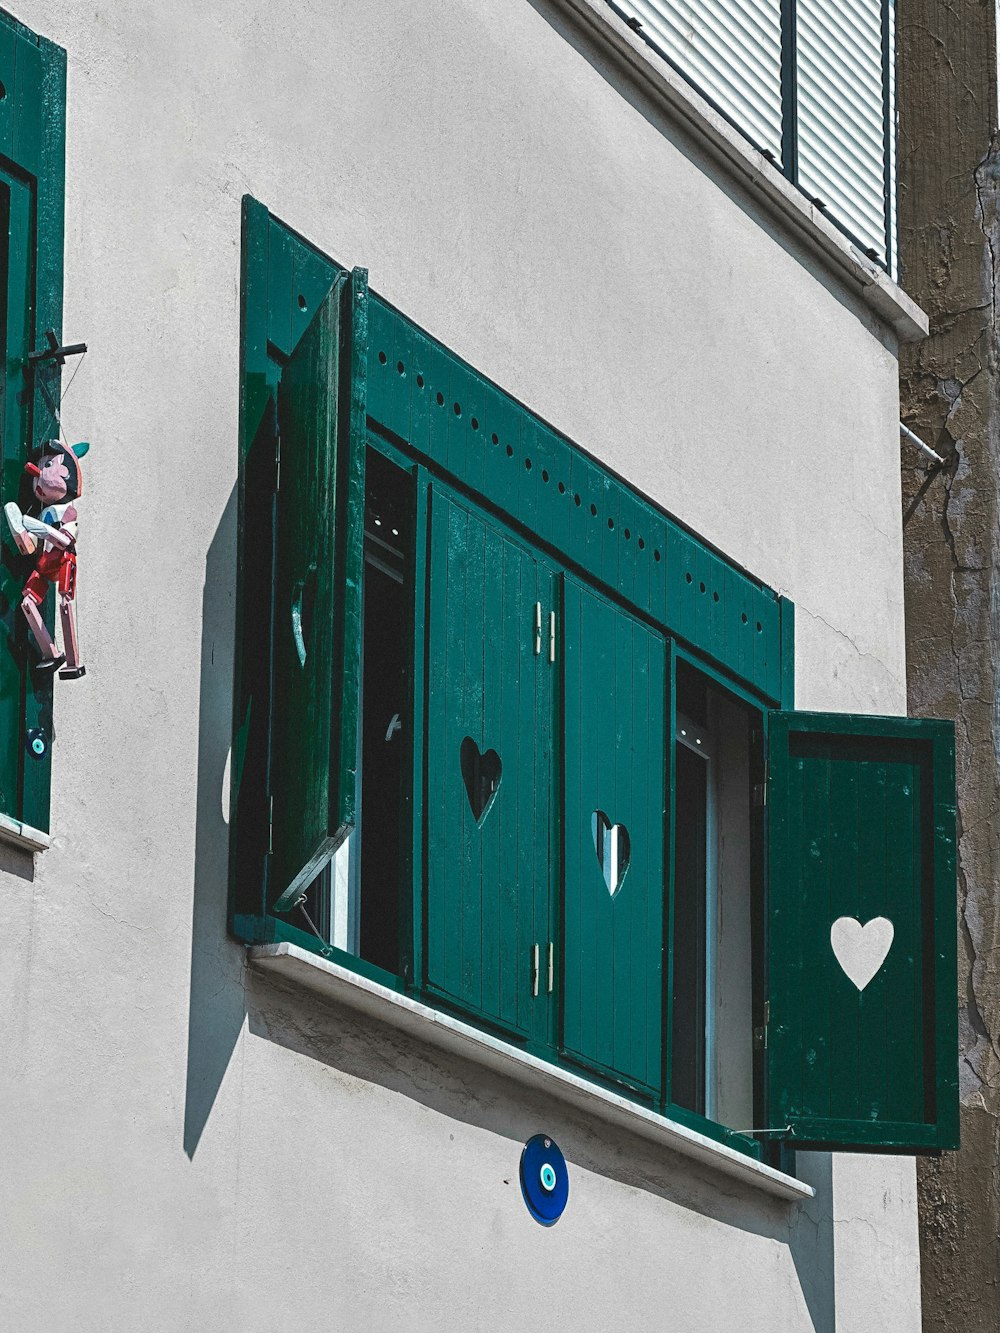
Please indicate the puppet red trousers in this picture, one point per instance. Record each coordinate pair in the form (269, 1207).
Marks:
(53, 566)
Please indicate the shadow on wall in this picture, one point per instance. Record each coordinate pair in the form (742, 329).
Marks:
(365, 1050)
(217, 1006)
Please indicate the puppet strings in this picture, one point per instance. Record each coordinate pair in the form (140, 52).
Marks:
(62, 397)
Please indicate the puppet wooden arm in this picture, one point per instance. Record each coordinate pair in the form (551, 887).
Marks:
(63, 537)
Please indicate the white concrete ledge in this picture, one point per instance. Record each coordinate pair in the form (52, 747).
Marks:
(432, 1026)
(23, 835)
(752, 169)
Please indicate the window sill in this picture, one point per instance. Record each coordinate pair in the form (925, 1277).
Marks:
(23, 835)
(432, 1026)
(751, 168)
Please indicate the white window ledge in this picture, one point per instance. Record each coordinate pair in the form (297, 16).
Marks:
(432, 1026)
(23, 835)
(658, 80)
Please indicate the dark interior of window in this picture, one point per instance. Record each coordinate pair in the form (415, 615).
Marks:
(687, 1085)
(355, 902)
(716, 849)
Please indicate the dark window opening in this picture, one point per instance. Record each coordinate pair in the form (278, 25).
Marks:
(356, 902)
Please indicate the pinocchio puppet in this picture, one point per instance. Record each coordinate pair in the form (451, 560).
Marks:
(56, 483)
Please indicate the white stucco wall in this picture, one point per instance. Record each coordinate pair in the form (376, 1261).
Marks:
(188, 1146)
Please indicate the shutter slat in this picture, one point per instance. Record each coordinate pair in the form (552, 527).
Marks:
(731, 50)
(840, 115)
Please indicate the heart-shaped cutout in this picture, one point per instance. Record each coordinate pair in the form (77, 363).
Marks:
(861, 949)
(481, 774)
(611, 843)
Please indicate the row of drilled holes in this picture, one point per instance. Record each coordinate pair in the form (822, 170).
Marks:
(457, 408)
(689, 578)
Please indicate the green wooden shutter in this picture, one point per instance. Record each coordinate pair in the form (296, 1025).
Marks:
(15, 653)
(490, 690)
(317, 591)
(861, 831)
(615, 757)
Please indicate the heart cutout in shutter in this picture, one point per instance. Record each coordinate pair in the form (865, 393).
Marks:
(861, 949)
(611, 842)
(481, 774)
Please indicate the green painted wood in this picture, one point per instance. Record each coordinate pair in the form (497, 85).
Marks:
(422, 394)
(32, 173)
(317, 590)
(488, 882)
(15, 266)
(862, 825)
(614, 760)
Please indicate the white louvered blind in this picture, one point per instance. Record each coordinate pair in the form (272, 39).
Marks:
(841, 127)
(731, 49)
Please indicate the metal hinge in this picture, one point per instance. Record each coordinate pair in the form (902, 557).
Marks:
(552, 966)
(760, 1034)
(534, 970)
(270, 826)
(538, 629)
(552, 636)
(760, 790)
(277, 461)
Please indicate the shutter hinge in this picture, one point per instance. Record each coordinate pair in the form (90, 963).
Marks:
(277, 460)
(270, 826)
(552, 966)
(552, 636)
(760, 790)
(534, 971)
(760, 1034)
(538, 629)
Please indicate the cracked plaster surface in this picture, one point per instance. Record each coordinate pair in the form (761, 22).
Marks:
(950, 245)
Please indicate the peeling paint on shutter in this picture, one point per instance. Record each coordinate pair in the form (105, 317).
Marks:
(730, 49)
(842, 114)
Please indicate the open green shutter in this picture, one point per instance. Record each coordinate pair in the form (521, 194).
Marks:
(15, 652)
(862, 1048)
(317, 590)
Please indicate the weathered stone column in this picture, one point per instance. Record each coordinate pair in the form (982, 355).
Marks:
(949, 163)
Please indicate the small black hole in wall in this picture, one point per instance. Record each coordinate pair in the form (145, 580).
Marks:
(527, 465)
(510, 451)
(576, 501)
(627, 534)
(302, 299)
(495, 438)
(420, 381)
(760, 627)
(382, 358)
(440, 400)
(743, 617)
(562, 488)
(545, 475)
(593, 511)
(715, 596)
(475, 423)
(687, 578)
(642, 543)
(656, 556)
(400, 368)
(701, 587)
(457, 409)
